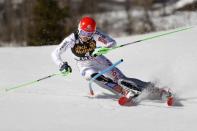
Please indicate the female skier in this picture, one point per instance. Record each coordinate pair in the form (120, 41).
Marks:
(82, 44)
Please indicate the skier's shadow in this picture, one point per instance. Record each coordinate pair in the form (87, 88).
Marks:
(115, 98)
(107, 96)
(178, 102)
(189, 99)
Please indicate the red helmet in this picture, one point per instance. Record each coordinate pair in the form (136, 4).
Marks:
(87, 26)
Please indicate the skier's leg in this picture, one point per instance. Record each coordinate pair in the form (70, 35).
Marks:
(109, 84)
(117, 76)
(105, 82)
(133, 82)
(109, 81)
(89, 69)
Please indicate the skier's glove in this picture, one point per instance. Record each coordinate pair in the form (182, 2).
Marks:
(65, 69)
(100, 51)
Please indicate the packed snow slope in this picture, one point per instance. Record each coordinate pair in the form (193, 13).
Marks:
(62, 103)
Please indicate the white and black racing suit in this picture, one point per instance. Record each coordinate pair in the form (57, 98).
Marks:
(88, 64)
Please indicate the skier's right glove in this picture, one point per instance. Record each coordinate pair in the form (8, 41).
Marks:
(65, 69)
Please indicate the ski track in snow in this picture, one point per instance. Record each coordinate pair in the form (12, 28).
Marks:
(62, 103)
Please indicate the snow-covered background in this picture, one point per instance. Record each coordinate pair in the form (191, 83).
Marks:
(118, 20)
(62, 103)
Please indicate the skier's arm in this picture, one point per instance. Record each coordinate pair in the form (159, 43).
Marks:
(105, 43)
(61, 48)
(104, 39)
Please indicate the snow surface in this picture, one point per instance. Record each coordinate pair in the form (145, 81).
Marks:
(62, 103)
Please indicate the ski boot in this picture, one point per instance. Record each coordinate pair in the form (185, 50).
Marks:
(166, 95)
(131, 90)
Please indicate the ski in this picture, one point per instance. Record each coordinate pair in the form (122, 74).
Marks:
(135, 100)
(124, 101)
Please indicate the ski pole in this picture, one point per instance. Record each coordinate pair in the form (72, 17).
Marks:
(101, 73)
(31, 82)
(155, 36)
(104, 50)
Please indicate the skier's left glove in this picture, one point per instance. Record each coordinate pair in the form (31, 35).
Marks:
(100, 51)
(65, 69)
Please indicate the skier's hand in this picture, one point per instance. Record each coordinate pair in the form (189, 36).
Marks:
(100, 51)
(65, 69)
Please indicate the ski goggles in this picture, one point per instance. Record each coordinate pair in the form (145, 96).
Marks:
(85, 34)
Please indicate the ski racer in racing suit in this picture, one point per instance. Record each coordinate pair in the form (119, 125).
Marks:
(82, 44)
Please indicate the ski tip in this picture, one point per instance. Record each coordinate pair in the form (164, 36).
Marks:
(170, 101)
(122, 100)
